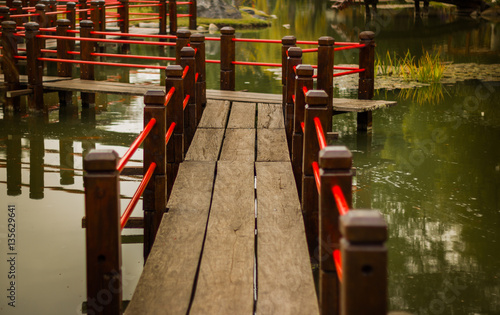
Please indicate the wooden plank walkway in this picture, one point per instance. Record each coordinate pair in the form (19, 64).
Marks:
(233, 240)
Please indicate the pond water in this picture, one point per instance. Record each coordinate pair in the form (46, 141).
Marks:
(431, 164)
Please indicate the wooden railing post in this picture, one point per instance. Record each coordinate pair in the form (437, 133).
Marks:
(154, 196)
(304, 78)
(335, 164)
(71, 16)
(192, 15)
(316, 101)
(94, 14)
(227, 57)
(294, 59)
(286, 43)
(87, 70)
(102, 16)
(52, 8)
(163, 17)
(366, 78)
(123, 11)
(183, 40)
(9, 63)
(18, 6)
(325, 72)
(172, 16)
(34, 66)
(103, 233)
(175, 114)
(41, 18)
(198, 43)
(5, 14)
(83, 6)
(190, 119)
(64, 69)
(364, 263)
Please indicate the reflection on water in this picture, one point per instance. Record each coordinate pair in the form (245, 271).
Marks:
(431, 165)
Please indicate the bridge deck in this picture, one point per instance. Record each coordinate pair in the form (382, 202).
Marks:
(233, 239)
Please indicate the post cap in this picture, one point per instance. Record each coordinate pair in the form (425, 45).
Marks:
(227, 30)
(197, 38)
(40, 7)
(154, 97)
(326, 41)
(304, 70)
(183, 33)
(335, 157)
(63, 22)
(5, 10)
(363, 226)
(9, 25)
(70, 4)
(94, 2)
(31, 26)
(87, 23)
(17, 3)
(187, 52)
(367, 35)
(316, 97)
(295, 52)
(174, 71)
(289, 40)
(100, 160)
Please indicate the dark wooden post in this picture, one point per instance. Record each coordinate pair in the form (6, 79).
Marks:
(182, 41)
(172, 16)
(304, 79)
(9, 63)
(71, 16)
(316, 101)
(5, 14)
(123, 11)
(53, 17)
(84, 13)
(94, 14)
(190, 119)
(87, 70)
(34, 66)
(325, 72)
(64, 69)
(163, 17)
(198, 43)
(103, 233)
(335, 169)
(175, 114)
(41, 18)
(18, 6)
(102, 16)
(32, 3)
(294, 59)
(366, 78)
(286, 43)
(192, 15)
(227, 56)
(364, 263)
(154, 196)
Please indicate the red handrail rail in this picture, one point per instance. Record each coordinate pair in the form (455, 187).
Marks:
(337, 258)
(185, 71)
(137, 142)
(186, 100)
(130, 207)
(170, 131)
(320, 133)
(169, 95)
(317, 178)
(338, 195)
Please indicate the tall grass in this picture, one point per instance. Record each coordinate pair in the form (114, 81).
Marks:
(429, 68)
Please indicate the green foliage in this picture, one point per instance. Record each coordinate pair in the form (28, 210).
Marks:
(246, 21)
(429, 68)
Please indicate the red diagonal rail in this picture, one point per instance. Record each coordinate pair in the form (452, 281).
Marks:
(338, 195)
(137, 142)
(337, 258)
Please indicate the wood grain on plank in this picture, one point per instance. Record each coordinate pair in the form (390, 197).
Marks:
(270, 116)
(214, 115)
(168, 277)
(285, 282)
(239, 145)
(271, 145)
(242, 115)
(225, 281)
(206, 145)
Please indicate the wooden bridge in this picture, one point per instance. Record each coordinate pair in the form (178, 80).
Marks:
(240, 191)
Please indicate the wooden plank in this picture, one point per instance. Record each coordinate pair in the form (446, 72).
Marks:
(215, 114)
(206, 145)
(271, 145)
(354, 105)
(242, 115)
(239, 145)
(90, 86)
(225, 281)
(270, 116)
(169, 274)
(237, 96)
(285, 282)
